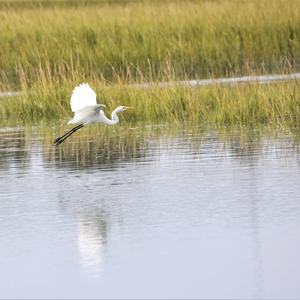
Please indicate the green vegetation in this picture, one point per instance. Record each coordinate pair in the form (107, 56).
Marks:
(253, 104)
(48, 47)
(146, 40)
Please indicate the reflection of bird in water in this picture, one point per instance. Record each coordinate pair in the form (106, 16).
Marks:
(91, 240)
(84, 105)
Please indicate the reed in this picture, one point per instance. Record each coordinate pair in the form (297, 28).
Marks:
(48, 47)
(248, 104)
(133, 41)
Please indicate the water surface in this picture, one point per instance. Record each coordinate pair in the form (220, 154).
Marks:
(149, 212)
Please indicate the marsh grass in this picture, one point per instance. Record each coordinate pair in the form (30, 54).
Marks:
(48, 47)
(248, 104)
(133, 41)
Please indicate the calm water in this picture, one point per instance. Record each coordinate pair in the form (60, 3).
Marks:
(153, 213)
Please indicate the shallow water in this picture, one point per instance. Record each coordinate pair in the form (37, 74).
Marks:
(262, 79)
(153, 213)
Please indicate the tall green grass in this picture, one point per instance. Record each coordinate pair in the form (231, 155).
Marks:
(49, 47)
(129, 41)
(250, 104)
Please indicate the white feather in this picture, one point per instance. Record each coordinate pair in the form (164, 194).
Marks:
(82, 96)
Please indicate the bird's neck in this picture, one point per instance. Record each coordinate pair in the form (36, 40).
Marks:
(114, 118)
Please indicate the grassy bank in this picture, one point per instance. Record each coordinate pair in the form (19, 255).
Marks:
(250, 104)
(132, 41)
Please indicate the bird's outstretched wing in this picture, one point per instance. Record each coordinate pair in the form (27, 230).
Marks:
(83, 95)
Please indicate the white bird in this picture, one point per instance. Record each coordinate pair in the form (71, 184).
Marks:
(86, 110)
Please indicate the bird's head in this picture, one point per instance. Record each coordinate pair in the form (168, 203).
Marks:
(122, 108)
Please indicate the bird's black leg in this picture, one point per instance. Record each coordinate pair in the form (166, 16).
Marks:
(59, 140)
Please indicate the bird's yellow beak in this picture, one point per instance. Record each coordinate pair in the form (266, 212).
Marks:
(129, 107)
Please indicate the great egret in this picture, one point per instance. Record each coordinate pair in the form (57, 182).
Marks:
(86, 110)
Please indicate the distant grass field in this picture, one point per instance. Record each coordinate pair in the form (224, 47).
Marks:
(48, 47)
(146, 40)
